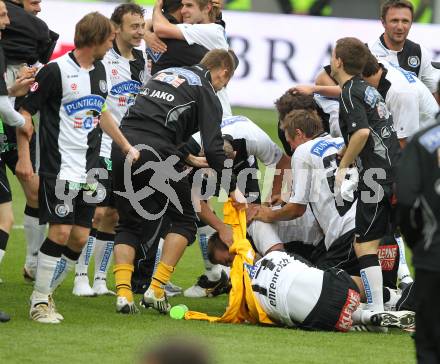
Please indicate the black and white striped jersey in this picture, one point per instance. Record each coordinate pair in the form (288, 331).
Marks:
(127, 77)
(412, 57)
(70, 100)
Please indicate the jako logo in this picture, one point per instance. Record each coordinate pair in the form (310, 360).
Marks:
(162, 95)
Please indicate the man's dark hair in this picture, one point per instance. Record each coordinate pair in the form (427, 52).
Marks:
(215, 243)
(289, 101)
(93, 29)
(387, 5)
(177, 351)
(123, 9)
(353, 54)
(170, 6)
(371, 67)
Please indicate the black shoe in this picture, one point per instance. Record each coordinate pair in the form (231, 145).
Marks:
(4, 317)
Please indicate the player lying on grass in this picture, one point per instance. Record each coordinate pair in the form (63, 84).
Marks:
(293, 293)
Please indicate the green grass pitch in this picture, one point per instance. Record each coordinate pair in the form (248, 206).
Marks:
(93, 333)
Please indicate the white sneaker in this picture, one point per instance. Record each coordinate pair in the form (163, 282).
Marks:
(125, 307)
(405, 320)
(206, 288)
(53, 308)
(160, 304)
(81, 286)
(43, 314)
(100, 287)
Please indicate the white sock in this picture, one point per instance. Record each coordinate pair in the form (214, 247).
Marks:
(361, 316)
(2, 254)
(158, 255)
(65, 266)
(47, 269)
(212, 271)
(373, 282)
(82, 265)
(35, 235)
(103, 254)
(403, 273)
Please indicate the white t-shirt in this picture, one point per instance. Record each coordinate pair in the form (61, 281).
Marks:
(293, 288)
(211, 36)
(331, 107)
(304, 229)
(258, 143)
(313, 168)
(427, 74)
(410, 102)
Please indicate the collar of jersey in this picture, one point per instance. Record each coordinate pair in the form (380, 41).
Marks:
(72, 57)
(382, 41)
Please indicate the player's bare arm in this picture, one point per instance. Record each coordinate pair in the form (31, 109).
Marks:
(162, 27)
(109, 125)
(289, 211)
(24, 168)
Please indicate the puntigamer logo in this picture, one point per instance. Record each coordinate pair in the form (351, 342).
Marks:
(91, 102)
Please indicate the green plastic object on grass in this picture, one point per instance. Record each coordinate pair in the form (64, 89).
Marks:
(178, 312)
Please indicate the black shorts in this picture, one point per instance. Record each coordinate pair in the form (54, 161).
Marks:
(73, 210)
(5, 188)
(105, 189)
(10, 157)
(338, 300)
(373, 213)
(341, 255)
(140, 215)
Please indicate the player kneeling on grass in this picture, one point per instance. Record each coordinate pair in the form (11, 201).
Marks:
(293, 293)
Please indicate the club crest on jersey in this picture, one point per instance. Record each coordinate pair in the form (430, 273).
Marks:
(126, 87)
(414, 61)
(88, 122)
(90, 102)
(62, 210)
(155, 56)
(103, 86)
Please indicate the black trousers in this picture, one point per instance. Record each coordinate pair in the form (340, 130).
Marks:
(427, 317)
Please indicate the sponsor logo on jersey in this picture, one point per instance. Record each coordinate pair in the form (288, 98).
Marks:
(62, 210)
(371, 96)
(189, 76)
(162, 95)
(272, 291)
(414, 61)
(173, 80)
(321, 146)
(34, 87)
(351, 304)
(155, 56)
(103, 86)
(90, 102)
(125, 88)
(251, 269)
(431, 139)
(232, 120)
(385, 132)
(387, 255)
